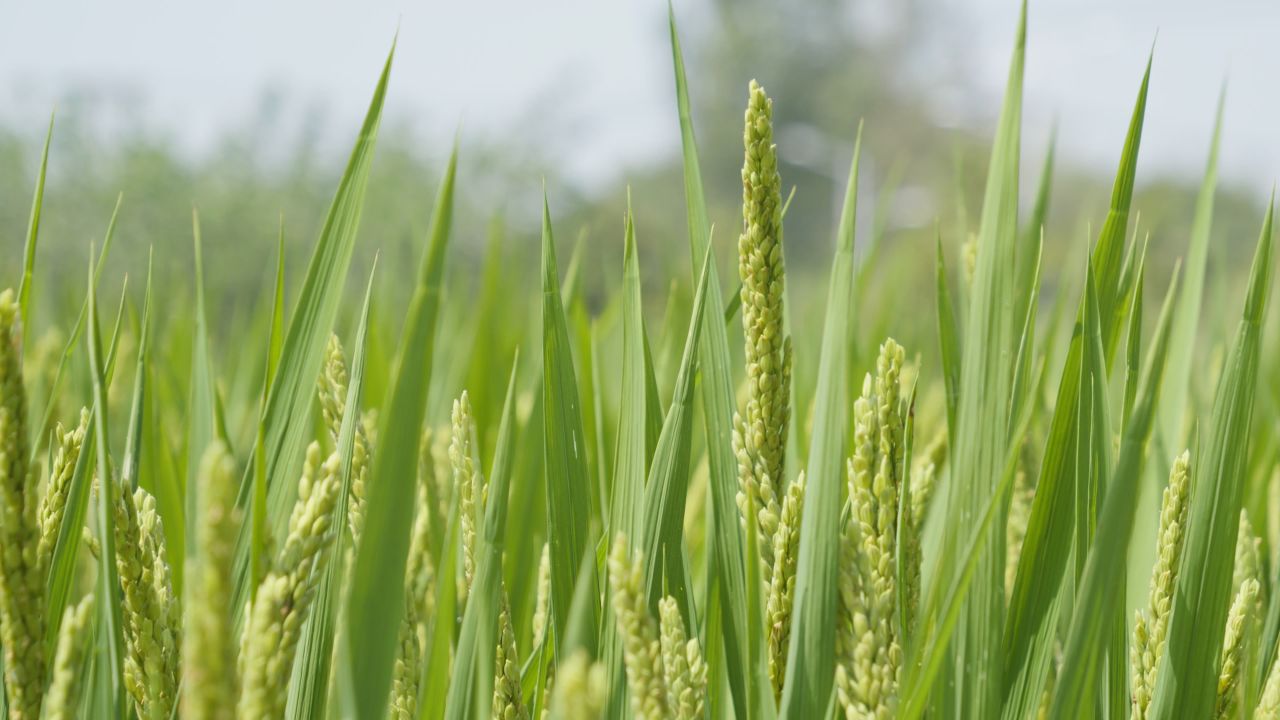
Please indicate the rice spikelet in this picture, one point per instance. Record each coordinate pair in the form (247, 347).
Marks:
(22, 584)
(333, 405)
(641, 649)
(467, 483)
(1151, 624)
(1235, 638)
(285, 595)
(867, 632)
(542, 603)
(508, 702)
(208, 652)
(684, 671)
(786, 548)
(151, 614)
(580, 690)
(760, 429)
(54, 502)
(62, 702)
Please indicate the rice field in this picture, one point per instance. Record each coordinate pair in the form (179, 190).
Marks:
(1060, 504)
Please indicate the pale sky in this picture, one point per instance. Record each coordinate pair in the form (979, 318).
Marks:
(192, 69)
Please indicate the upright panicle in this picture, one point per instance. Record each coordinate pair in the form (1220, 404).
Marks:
(760, 433)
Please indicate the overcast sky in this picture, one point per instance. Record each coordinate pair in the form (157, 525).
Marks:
(194, 69)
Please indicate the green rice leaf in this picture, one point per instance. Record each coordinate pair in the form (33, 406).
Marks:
(258, 540)
(668, 485)
(1031, 622)
(435, 667)
(941, 613)
(472, 678)
(33, 231)
(1108, 253)
(290, 398)
(1186, 682)
(811, 655)
(110, 645)
(51, 404)
(948, 337)
(202, 420)
(309, 684)
(568, 479)
(380, 559)
(983, 418)
(717, 409)
(1100, 600)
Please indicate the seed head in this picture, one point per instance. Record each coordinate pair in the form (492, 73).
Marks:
(208, 652)
(73, 643)
(285, 596)
(580, 690)
(54, 502)
(641, 649)
(22, 584)
(786, 548)
(760, 434)
(684, 671)
(1151, 624)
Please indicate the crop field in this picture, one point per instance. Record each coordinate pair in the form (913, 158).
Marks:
(1038, 489)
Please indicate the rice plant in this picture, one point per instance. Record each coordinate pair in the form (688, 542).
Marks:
(784, 520)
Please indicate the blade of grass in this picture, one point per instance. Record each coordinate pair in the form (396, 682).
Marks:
(1186, 682)
(948, 337)
(472, 678)
(309, 685)
(941, 613)
(982, 415)
(1034, 607)
(380, 559)
(62, 566)
(668, 484)
(568, 488)
(435, 668)
(717, 409)
(202, 423)
(110, 645)
(631, 456)
(1100, 600)
(291, 395)
(258, 541)
(33, 232)
(811, 655)
(46, 417)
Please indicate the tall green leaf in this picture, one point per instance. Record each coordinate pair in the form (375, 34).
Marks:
(309, 684)
(1186, 684)
(33, 232)
(110, 647)
(983, 414)
(1100, 600)
(290, 398)
(811, 655)
(568, 479)
(380, 559)
(202, 421)
(717, 397)
(472, 677)
(668, 485)
(1032, 619)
